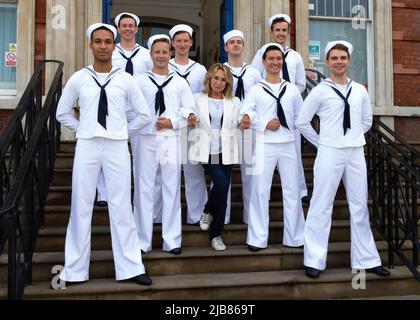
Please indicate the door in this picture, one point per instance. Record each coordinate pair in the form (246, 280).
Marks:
(226, 24)
(106, 11)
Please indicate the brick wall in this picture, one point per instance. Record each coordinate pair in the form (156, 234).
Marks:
(4, 119)
(406, 40)
(409, 129)
(40, 29)
(293, 27)
(40, 34)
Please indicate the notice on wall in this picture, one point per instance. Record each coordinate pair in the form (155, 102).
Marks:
(314, 50)
(10, 60)
(13, 47)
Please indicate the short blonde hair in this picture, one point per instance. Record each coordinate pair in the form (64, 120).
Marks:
(227, 92)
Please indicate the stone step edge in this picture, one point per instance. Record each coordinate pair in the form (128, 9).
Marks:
(207, 281)
(198, 252)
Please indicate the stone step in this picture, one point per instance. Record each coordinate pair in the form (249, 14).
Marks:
(63, 177)
(69, 147)
(61, 195)
(56, 216)
(291, 284)
(196, 260)
(65, 160)
(51, 239)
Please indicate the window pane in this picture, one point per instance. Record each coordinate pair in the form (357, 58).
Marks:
(337, 8)
(347, 7)
(330, 9)
(365, 4)
(325, 31)
(312, 7)
(8, 19)
(322, 10)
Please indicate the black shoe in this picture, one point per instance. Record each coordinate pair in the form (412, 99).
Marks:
(253, 248)
(102, 204)
(306, 200)
(142, 279)
(176, 251)
(312, 272)
(380, 271)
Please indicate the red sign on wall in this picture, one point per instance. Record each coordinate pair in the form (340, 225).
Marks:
(10, 60)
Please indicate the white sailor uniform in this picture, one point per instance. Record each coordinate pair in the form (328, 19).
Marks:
(140, 63)
(195, 182)
(249, 76)
(107, 150)
(274, 149)
(297, 75)
(340, 156)
(139, 56)
(160, 149)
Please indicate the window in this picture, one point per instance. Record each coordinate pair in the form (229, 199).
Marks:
(8, 40)
(341, 20)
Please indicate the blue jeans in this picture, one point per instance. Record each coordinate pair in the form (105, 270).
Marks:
(216, 205)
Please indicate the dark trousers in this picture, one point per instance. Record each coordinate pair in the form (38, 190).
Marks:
(216, 205)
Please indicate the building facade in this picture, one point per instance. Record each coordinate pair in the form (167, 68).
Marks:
(386, 35)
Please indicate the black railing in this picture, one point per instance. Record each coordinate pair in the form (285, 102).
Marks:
(28, 148)
(394, 187)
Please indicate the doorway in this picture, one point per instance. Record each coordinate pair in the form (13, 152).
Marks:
(210, 19)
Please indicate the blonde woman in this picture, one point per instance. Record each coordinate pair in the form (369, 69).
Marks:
(215, 144)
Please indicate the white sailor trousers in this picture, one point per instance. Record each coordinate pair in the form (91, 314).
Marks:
(332, 165)
(195, 191)
(101, 184)
(284, 156)
(112, 157)
(158, 151)
(101, 188)
(247, 164)
(302, 181)
(194, 182)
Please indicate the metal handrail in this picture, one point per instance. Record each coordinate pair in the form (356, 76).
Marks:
(28, 150)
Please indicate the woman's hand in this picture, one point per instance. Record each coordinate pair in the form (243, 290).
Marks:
(192, 120)
(246, 122)
(273, 125)
(163, 123)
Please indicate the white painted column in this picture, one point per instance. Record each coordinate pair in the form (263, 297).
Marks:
(26, 43)
(383, 58)
(67, 21)
(302, 29)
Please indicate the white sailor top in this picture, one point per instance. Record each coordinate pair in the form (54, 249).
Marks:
(142, 61)
(329, 106)
(261, 107)
(250, 77)
(179, 102)
(295, 66)
(126, 105)
(193, 72)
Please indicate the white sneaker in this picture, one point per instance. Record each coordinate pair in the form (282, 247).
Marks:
(217, 244)
(205, 221)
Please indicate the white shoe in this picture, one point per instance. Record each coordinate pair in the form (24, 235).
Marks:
(205, 221)
(217, 244)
